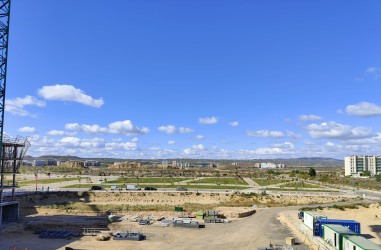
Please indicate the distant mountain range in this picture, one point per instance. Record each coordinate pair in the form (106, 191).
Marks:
(293, 162)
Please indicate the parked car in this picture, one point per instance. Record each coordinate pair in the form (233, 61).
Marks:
(96, 188)
(132, 187)
(144, 222)
(181, 189)
(115, 188)
(150, 188)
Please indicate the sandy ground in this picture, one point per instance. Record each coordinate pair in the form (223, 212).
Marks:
(257, 230)
(369, 218)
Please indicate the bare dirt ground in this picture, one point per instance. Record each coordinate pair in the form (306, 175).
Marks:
(249, 233)
(257, 230)
(369, 218)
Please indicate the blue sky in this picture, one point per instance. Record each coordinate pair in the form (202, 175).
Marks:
(195, 79)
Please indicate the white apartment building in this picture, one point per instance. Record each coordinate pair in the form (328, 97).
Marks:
(358, 164)
(268, 165)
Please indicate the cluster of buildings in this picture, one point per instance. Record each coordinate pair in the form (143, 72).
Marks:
(264, 165)
(49, 163)
(356, 165)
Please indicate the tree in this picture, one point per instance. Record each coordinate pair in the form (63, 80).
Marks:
(366, 173)
(378, 177)
(312, 172)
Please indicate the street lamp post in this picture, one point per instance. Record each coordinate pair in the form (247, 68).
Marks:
(36, 175)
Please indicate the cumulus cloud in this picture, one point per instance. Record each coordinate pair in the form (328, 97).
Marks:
(119, 127)
(121, 145)
(363, 109)
(17, 106)
(183, 130)
(333, 130)
(69, 93)
(27, 129)
(265, 133)
(309, 118)
(171, 129)
(195, 150)
(234, 123)
(135, 139)
(171, 142)
(200, 137)
(208, 120)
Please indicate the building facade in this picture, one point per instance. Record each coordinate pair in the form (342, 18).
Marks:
(355, 165)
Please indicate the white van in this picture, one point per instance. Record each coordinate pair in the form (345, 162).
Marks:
(132, 187)
(115, 188)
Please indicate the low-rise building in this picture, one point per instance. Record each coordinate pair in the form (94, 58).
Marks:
(268, 165)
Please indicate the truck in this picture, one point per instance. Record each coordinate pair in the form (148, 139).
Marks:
(132, 187)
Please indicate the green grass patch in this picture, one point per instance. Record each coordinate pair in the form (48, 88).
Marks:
(221, 181)
(302, 190)
(299, 184)
(48, 181)
(199, 187)
(148, 180)
(267, 182)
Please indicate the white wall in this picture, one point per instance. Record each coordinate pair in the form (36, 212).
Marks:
(329, 236)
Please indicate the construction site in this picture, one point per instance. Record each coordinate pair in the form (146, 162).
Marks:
(129, 205)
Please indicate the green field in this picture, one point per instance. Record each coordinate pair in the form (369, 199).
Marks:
(299, 185)
(200, 187)
(266, 182)
(47, 181)
(221, 181)
(302, 190)
(148, 180)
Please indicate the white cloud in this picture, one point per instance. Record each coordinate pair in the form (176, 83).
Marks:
(363, 109)
(198, 147)
(135, 139)
(200, 137)
(129, 146)
(71, 140)
(196, 150)
(208, 120)
(27, 129)
(119, 127)
(338, 131)
(265, 133)
(309, 117)
(171, 142)
(61, 132)
(17, 106)
(171, 129)
(234, 123)
(126, 127)
(285, 145)
(374, 72)
(69, 93)
(183, 130)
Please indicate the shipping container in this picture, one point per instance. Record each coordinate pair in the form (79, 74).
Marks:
(310, 217)
(333, 235)
(351, 224)
(351, 242)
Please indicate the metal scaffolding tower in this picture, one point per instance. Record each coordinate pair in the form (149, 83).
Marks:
(8, 209)
(5, 6)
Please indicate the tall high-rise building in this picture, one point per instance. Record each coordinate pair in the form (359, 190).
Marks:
(358, 164)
